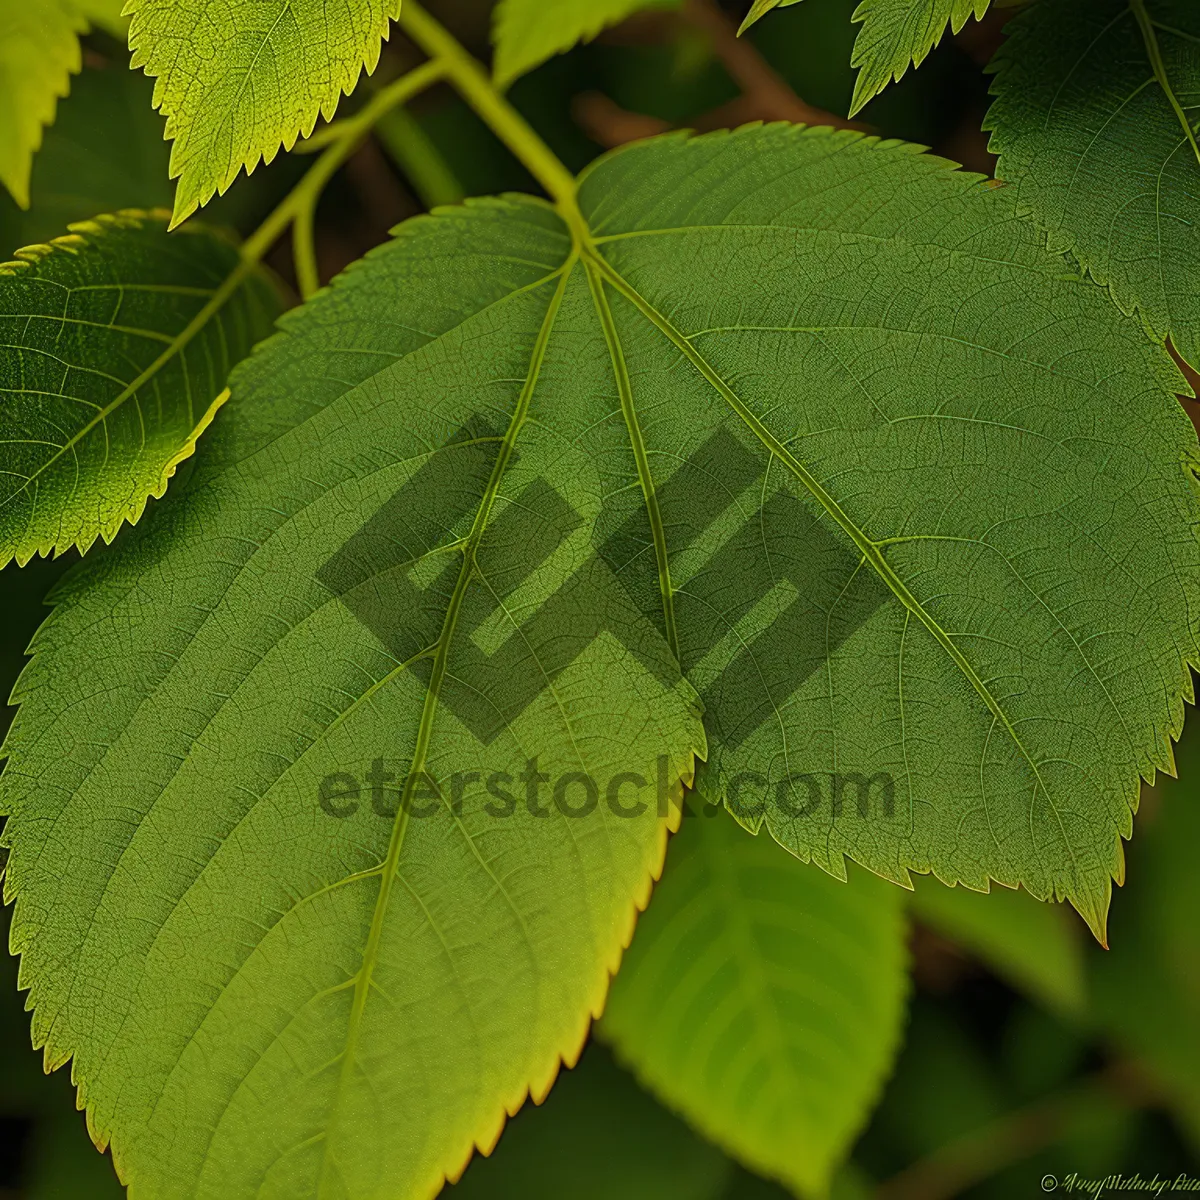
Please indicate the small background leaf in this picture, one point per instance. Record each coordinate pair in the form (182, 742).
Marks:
(1034, 945)
(1086, 132)
(237, 82)
(763, 999)
(83, 168)
(105, 380)
(895, 35)
(1147, 987)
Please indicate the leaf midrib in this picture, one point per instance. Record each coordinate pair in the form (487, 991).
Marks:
(391, 863)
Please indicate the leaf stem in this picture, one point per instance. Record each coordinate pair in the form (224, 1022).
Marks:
(1154, 54)
(476, 87)
(302, 199)
(304, 252)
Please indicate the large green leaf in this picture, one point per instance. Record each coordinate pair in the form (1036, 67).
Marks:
(895, 35)
(1034, 946)
(527, 32)
(39, 49)
(1095, 122)
(763, 999)
(812, 416)
(115, 342)
(237, 81)
(360, 999)
(82, 169)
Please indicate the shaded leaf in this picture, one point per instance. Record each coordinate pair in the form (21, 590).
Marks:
(895, 35)
(115, 342)
(236, 82)
(763, 1000)
(1147, 987)
(527, 32)
(1095, 119)
(1031, 944)
(810, 417)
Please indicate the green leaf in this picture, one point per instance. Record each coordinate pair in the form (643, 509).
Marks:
(1095, 119)
(941, 411)
(898, 33)
(365, 997)
(39, 50)
(236, 82)
(1028, 943)
(114, 346)
(895, 35)
(82, 169)
(763, 1000)
(760, 8)
(810, 416)
(597, 1137)
(528, 32)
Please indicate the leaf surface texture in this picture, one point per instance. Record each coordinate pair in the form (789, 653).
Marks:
(115, 342)
(800, 429)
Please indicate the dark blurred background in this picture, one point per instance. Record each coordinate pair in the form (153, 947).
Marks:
(1030, 1050)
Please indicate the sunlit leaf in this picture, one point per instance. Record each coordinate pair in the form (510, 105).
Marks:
(763, 999)
(115, 341)
(238, 81)
(39, 50)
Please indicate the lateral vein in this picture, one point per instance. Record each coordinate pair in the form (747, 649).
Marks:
(391, 864)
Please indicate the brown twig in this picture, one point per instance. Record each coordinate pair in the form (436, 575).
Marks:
(608, 124)
(765, 94)
(952, 1169)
